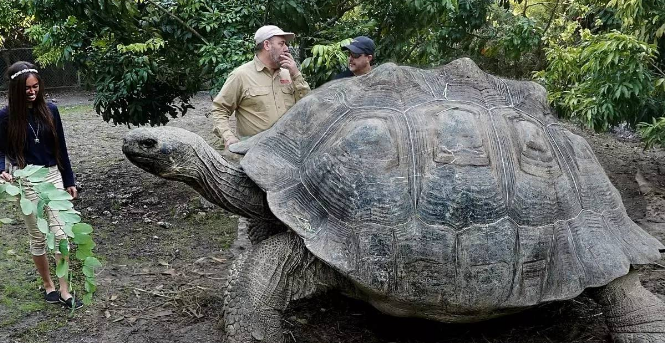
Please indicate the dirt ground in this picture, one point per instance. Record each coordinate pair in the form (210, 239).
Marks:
(166, 253)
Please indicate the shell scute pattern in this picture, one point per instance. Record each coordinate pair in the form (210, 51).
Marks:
(450, 187)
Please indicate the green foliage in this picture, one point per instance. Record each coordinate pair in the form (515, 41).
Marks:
(601, 61)
(510, 44)
(13, 22)
(603, 80)
(416, 32)
(145, 58)
(654, 132)
(60, 202)
(604, 67)
(325, 60)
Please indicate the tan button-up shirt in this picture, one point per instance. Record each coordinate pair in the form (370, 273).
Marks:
(258, 97)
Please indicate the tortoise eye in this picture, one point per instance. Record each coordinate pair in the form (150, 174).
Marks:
(148, 143)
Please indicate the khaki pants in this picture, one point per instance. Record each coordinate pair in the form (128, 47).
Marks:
(37, 238)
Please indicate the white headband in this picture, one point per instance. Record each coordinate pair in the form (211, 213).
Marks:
(23, 71)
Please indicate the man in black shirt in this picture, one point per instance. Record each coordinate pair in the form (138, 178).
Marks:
(361, 55)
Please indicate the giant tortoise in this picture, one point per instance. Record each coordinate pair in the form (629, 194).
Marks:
(445, 194)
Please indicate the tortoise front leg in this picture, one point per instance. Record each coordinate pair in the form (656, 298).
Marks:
(258, 230)
(263, 281)
(633, 314)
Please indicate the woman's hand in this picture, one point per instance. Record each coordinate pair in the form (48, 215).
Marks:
(72, 191)
(6, 176)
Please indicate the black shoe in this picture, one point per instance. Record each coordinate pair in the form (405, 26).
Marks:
(52, 297)
(69, 303)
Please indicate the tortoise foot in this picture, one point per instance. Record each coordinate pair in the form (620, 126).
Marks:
(632, 313)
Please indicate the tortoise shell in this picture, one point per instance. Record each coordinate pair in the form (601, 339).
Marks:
(449, 187)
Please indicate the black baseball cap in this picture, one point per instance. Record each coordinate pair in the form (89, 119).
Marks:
(361, 45)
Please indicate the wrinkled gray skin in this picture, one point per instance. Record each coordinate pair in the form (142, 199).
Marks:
(448, 194)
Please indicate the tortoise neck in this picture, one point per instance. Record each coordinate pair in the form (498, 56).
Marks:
(224, 183)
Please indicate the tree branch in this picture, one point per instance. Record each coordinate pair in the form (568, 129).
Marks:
(413, 48)
(175, 17)
(526, 5)
(538, 3)
(341, 12)
(658, 69)
(549, 22)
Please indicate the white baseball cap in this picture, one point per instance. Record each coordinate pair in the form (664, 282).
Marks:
(266, 32)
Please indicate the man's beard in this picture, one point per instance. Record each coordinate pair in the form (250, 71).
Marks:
(274, 57)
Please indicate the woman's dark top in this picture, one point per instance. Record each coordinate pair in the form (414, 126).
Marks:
(39, 153)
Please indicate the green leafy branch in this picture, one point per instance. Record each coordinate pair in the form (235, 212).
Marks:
(59, 201)
(653, 133)
(325, 60)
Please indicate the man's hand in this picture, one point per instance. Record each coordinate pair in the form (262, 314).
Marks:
(72, 191)
(6, 176)
(287, 62)
(229, 141)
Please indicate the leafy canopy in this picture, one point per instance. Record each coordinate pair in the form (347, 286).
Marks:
(602, 62)
(146, 58)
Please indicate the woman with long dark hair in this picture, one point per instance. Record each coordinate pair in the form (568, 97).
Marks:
(31, 133)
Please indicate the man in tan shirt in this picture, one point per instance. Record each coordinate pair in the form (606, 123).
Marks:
(259, 91)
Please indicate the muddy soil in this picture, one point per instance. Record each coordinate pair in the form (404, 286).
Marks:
(166, 253)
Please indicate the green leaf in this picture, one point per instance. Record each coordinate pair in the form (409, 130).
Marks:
(82, 239)
(90, 285)
(88, 271)
(60, 205)
(92, 262)
(63, 247)
(69, 217)
(42, 225)
(82, 254)
(38, 176)
(6, 220)
(12, 190)
(82, 228)
(40, 208)
(27, 207)
(45, 187)
(62, 268)
(58, 194)
(50, 240)
(87, 299)
(27, 171)
(67, 228)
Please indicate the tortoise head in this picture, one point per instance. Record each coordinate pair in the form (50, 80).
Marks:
(168, 152)
(180, 155)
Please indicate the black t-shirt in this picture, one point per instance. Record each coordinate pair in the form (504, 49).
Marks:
(346, 73)
(38, 144)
